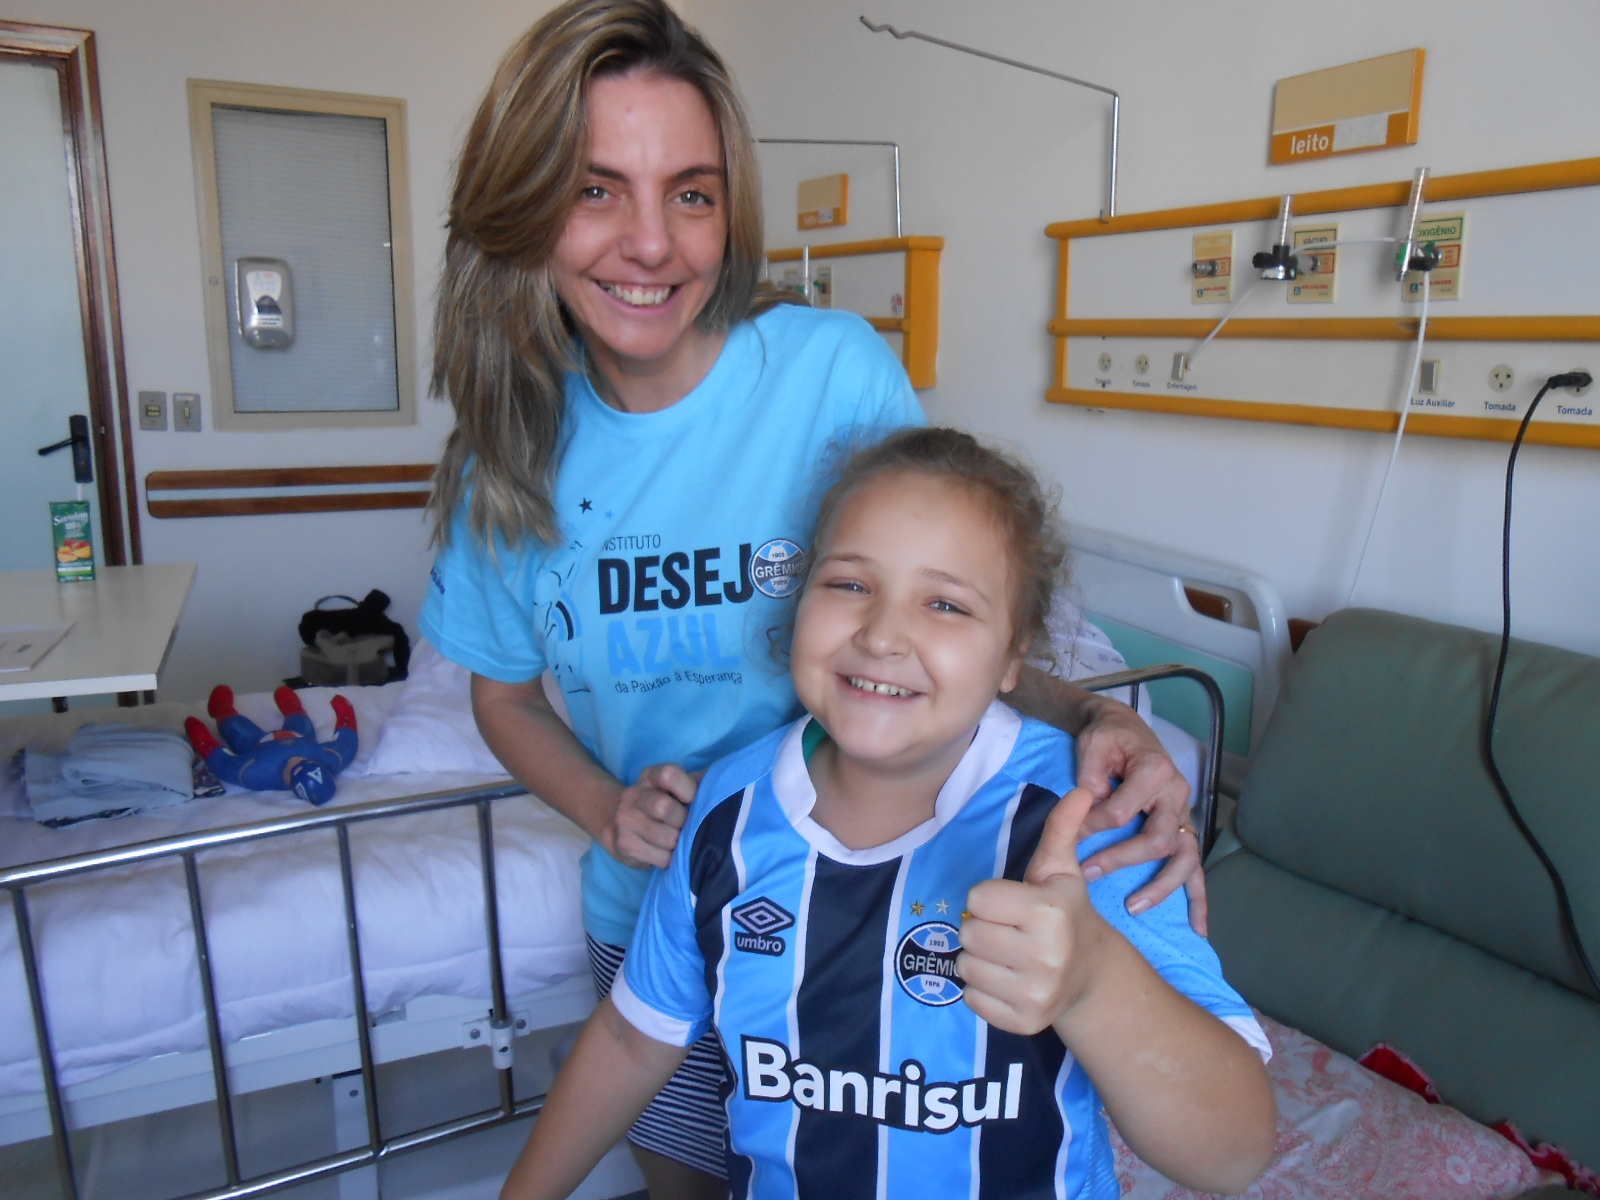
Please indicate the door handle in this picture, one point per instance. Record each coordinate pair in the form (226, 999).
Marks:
(82, 460)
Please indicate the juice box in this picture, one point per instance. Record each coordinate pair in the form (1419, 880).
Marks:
(69, 523)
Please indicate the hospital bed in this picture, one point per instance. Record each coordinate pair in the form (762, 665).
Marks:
(158, 962)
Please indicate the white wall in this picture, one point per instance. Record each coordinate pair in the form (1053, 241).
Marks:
(258, 574)
(992, 155)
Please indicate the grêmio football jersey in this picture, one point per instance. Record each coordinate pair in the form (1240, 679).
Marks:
(855, 1071)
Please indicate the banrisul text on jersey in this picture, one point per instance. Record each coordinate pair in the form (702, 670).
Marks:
(907, 1100)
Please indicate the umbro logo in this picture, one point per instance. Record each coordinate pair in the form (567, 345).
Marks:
(761, 919)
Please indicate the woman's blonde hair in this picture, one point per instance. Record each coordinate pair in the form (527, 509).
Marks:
(503, 341)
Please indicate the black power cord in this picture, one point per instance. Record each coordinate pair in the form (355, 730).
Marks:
(1569, 924)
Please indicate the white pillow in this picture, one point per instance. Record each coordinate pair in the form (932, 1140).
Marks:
(431, 727)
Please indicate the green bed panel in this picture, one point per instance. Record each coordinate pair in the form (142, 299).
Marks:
(1499, 1041)
(1369, 780)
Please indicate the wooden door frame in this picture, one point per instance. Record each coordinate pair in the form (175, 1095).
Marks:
(71, 52)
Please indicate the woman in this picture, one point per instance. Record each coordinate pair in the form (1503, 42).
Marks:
(633, 475)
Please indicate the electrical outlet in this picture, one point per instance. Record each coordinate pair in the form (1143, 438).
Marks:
(1501, 378)
(1105, 362)
(1581, 391)
(1142, 364)
(152, 410)
(186, 412)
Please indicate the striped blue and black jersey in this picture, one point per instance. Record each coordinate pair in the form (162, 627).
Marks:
(855, 1072)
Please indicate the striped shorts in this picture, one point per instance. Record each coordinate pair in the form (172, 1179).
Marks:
(686, 1121)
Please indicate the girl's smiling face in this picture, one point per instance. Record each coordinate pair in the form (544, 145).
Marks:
(906, 633)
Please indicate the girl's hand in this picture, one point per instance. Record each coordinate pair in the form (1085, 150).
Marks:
(649, 816)
(1028, 948)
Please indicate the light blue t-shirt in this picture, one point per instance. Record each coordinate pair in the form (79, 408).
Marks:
(684, 537)
(830, 975)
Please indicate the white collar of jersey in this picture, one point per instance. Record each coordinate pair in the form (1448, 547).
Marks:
(791, 782)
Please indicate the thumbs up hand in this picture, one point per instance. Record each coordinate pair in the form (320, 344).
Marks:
(1028, 948)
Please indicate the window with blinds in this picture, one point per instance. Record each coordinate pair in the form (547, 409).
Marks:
(305, 224)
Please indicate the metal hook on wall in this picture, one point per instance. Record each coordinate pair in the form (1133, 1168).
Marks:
(1110, 209)
(837, 142)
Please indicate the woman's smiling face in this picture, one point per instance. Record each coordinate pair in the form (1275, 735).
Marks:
(643, 245)
(905, 633)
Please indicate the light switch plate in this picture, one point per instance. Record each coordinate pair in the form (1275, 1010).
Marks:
(186, 412)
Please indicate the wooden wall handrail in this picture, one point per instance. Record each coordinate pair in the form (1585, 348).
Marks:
(253, 478)
(262, 477)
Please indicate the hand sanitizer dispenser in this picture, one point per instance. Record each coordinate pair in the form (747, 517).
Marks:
(266, 303)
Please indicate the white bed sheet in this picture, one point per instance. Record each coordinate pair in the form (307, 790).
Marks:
(120, 976)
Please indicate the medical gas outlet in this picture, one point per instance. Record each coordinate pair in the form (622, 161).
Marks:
(1318, 278)
(1212, 268)
(1435, 258)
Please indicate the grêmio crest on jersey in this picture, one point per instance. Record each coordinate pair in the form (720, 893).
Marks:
(925, 964)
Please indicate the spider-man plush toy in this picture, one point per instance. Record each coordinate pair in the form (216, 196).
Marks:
(291, 759)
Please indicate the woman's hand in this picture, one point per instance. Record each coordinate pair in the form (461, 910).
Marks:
(1117, 744)
(650, 815)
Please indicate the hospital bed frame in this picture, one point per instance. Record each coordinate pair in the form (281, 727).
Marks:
(428, 1025)
(1143, 597)
(1205, 802)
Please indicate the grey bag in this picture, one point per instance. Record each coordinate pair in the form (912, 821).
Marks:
(340, 660)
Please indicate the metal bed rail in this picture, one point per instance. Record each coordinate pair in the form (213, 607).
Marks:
(1206, 802)
(186, 848)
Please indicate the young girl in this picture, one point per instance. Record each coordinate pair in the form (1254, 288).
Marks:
(880, 910)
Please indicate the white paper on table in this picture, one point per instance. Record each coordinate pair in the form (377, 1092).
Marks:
(22, 646)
